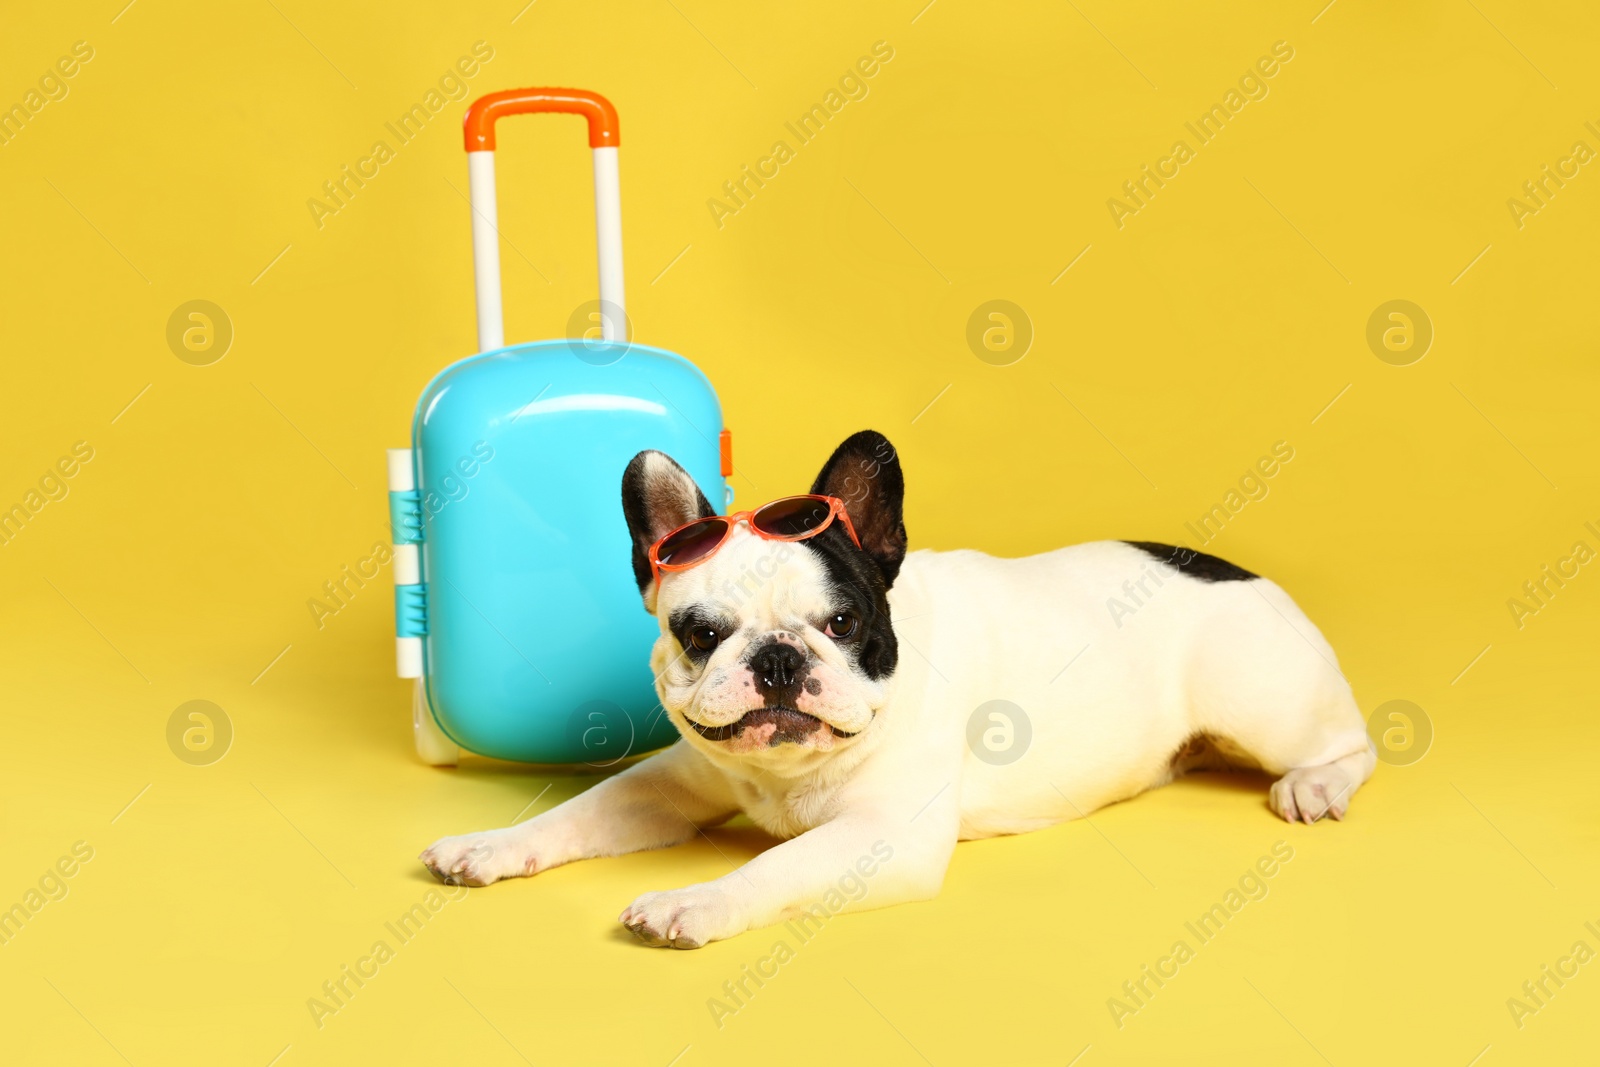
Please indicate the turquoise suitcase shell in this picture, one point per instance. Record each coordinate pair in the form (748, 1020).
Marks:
(516, 609)
(538, 645)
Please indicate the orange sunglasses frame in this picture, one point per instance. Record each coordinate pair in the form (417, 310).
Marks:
(836, 510)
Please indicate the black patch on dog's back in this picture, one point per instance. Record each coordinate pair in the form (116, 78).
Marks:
(1194, 564)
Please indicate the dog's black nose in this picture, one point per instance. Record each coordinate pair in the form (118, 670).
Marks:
(777, 667)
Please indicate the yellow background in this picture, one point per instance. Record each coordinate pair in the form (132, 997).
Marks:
(1223, 317)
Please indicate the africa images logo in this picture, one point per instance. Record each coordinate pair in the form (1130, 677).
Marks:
(452, 85)
(1252, 86)
(852, 87)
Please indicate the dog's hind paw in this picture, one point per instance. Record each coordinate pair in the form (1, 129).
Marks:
(1306, 794)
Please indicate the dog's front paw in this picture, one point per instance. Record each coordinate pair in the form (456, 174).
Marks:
(479, 859)
(682, 918)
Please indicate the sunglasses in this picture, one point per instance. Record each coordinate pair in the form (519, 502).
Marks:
(790, 518)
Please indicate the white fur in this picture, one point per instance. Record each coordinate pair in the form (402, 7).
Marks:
(1111, 696)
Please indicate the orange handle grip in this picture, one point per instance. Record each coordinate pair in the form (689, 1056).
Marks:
(604, 130)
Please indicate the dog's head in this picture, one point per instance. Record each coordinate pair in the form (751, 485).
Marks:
(778, 652)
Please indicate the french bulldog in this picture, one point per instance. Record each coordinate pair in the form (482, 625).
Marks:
(871, 707)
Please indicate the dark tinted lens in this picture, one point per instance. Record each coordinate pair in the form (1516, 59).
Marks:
(791, 517)
(693, 542)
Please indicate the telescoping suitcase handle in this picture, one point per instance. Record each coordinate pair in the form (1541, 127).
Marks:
(604, 136)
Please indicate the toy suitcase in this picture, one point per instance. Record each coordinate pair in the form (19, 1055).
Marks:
(516, 608)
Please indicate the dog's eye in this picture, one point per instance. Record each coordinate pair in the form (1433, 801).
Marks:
(704, 638)
(842, 626)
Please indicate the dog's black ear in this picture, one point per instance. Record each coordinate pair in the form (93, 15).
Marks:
(658, 496)
(864, 472)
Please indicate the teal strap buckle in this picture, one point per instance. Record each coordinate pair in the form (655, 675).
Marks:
(405, 517)
(411, 610)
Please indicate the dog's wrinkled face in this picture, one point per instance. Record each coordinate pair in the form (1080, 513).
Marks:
(774, 651)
